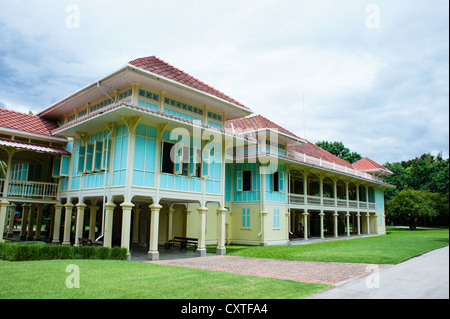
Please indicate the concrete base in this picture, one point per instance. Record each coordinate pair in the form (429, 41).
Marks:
(200, 252)
(153, 255)
(221, 251)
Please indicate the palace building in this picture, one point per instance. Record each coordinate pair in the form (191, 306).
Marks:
(149, 153)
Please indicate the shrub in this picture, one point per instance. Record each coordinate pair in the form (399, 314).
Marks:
(38, 251)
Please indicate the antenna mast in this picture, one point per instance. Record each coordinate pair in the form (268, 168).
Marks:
(304, 117)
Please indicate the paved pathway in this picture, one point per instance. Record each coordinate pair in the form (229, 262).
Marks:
(305, 271)
(422, 277)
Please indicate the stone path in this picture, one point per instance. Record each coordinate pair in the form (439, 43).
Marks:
(305, 271)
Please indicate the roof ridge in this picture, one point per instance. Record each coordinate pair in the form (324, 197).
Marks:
(181, 76)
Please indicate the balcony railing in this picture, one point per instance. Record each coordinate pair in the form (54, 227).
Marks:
(331, 203)
(27, 189)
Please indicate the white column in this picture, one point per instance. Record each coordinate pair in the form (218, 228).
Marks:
(57, 223)
(126, 224)
(67, 223)
(92, 221)
(25, 212)
(347, 215)
(321, 214)
(368, 223)
(201, 248)
(221, 213)
(153, 253)
(12, 211)
(170, 224)
(305, 224)
(31, 222)
(37, 235)
(336, 231)
(136, 214)
(79, 229)
(108, 227)
(358, 220)
(3, 209)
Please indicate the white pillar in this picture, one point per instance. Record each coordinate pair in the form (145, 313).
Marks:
(170, 224)
(321, 214)
(92, 221)
(57, 223)
(108, 227)
(67, 223)
(25, 212)
(347, 215)
(31, 222)
(153, 253)
(136, 215)
(368, 223)
(221, 250)
(201, 248)
(305, 225)
(126, 224)
(3, 209)
(79, 229)
(37, 235)
(336, 231)
(12, 211)
(358, 220)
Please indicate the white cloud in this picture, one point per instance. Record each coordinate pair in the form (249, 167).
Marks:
(382, 91)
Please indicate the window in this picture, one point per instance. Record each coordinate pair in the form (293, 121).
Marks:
(246, 217)
(167, 165)
(276, 181)
(276, 218)
(106, 153)
(81, 155)
(89, 157)
(98, 151)
(247, 181)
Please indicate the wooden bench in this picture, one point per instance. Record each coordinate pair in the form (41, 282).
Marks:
(89, 242)
(183, 242)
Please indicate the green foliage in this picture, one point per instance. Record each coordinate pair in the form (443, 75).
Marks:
(41, 251)
(427, 174)
(338, 149)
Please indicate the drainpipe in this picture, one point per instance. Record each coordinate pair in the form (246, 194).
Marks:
(104, 184)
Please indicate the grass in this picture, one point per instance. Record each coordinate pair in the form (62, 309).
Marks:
(105, 279)
(111, 279)
(398, 245)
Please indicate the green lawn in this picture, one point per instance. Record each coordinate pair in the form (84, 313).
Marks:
(129, 279)
(398, 245)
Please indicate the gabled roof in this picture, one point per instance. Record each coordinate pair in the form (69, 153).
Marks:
(33, 147)
(367, 165)
(162, 68)
(313, 150)
(255, 123)
(26, 123)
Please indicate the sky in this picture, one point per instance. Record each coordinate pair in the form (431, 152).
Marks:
(371, 74)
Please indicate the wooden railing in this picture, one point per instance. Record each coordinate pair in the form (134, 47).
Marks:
(299, 199)
(28, 189)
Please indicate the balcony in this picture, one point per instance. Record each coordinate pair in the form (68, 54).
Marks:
(30, 190)
(298, 201)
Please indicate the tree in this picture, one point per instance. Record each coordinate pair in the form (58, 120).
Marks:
(338, 149)
(427, 174)
(409, 205)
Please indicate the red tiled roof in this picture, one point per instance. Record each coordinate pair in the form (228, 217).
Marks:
(27, 123)
(34, 147)
(162, 68)
(313, 150)
(253, 123)
(367, 164)
(257, 122)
